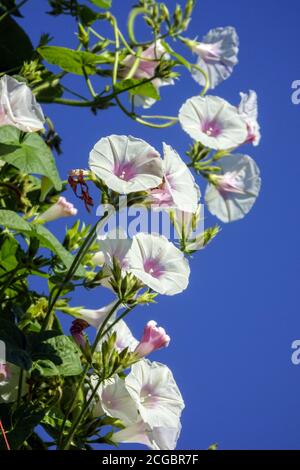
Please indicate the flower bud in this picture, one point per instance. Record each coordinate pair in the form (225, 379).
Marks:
(154, 338)
(62, 208)
(76, 330)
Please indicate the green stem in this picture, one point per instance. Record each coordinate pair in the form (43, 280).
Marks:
(89, 83)
(117, 50)
(124, 314)
(76, 262)
(69, 102)
(77, 421)
(135, 64)
(131, 23)
(163, 118)
(142, 121)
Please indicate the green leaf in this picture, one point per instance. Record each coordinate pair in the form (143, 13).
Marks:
(57, 356)
(137, 87)
(102, 3)
(48, 240)
(10, 219)
(26, 418)
(30, 155)
(15, 45)
(87, 15)
(73, 61)
(54, 418)
(8, 252)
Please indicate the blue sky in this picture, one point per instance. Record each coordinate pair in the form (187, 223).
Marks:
(232, 329)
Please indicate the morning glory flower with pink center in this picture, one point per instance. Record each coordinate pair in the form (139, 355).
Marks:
(155, 261)
(150, 59)
(154, 338)
(126, 164)
(232, 194)
(158, 438)
(148, 402)
(61, 208)
(18, 106)
(213, 122)
(217, 55)
(248, 109)
(155, 392)
(179, 189)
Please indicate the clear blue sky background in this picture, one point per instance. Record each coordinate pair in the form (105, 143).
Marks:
(232, 329)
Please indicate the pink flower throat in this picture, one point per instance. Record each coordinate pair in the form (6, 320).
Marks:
(152, 266)
(125, 171)
(211, 128)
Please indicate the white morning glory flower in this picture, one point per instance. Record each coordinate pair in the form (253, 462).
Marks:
(150, 59)
(213, 122)
(114, 400)
(155, 392)
(158, 438)
(248, 109)
(217, 55)
(155, 261)
(126, 164)
(18, 106)
(231, 195)
(179, 189)
(148, 402)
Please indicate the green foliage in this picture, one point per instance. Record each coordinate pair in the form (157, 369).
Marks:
(56, 356)
(48, 240)
(77, 62)
(13, 221)
(102, 3)
(24, 420)
(138, 87)
(28, 153)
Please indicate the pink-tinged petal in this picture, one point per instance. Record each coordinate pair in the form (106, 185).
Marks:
(156, 262)
(217, 55)
(154, 338)
(19, 107)
(231, 195)
(126, 164)
(62, 208)
(213, 122)
(248, 110)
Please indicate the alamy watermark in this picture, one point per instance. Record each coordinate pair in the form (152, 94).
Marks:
(295, 357)
(295, 97)
(166, 221)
